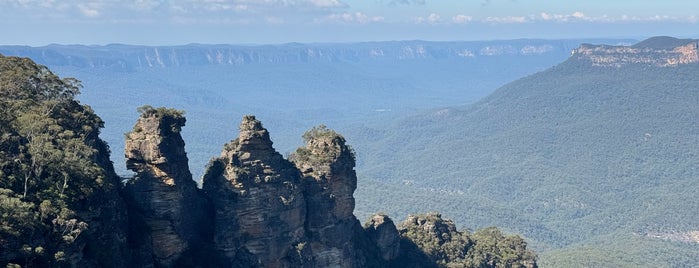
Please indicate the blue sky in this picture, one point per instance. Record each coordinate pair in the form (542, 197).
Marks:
(163, 22)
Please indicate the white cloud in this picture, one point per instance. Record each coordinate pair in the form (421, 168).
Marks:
(508, 19)
(279, 12)
(433, 18)
(328, 3)
(145, 5)
(407, 2)
(461, 19)
(575, 16)
(347, 17)
(90, 10)
(579, 16)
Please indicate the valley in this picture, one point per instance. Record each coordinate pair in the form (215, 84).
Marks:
(589, 155)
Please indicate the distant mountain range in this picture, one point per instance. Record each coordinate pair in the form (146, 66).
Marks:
(129, 56)
(292, 87)
(62, 205)
(595, 159)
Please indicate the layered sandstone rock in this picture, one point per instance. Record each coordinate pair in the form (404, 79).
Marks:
(164, 201)
(260, 210)
(327, 165)
(657, 51)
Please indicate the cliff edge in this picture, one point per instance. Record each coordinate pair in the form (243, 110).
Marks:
(657, 51)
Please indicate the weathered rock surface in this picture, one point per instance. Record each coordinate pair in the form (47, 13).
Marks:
(382, 231)
(657, 51)
(163, 199)
(327, 165)
(260, 210)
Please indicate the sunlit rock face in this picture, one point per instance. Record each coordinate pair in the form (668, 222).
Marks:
(327, 165)
(657, 51)
(164, 203)
(260, 210)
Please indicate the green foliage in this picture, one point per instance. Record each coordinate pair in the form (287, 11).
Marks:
(17, 218)
(565, 157)
(323, 147)
(172, 119)
(49, 163)
(439, 239)
(493, 249)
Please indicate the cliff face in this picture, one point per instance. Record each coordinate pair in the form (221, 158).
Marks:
(659, 51)
(327, 165)
(128, 57)
(260, 210)
(270, 212)
(168, 213)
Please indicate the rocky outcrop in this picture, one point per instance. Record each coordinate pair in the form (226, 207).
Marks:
(327, 165)
(429, 239)
(168, 214)
(384, 234)
(658, 51)
(260, 210)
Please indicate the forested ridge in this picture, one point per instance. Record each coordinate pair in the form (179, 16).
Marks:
(593, 164)
(56, 177)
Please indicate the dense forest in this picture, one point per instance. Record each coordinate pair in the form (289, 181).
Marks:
(593, 164)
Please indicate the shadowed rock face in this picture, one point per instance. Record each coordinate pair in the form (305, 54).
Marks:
(260, 210)
(327, 165)
(384, 234)
(163, 199)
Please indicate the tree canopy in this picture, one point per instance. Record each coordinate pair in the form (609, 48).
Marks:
(49, 163)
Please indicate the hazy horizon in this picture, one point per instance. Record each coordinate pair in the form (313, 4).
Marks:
(256, 22)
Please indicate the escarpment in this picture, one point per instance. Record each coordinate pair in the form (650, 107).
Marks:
(656, 51)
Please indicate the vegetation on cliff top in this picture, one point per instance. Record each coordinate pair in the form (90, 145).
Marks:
(51, 159)
(444, 245)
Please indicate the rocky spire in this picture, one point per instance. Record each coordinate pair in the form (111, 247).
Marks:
(162, 197)
(258, 201)
(327, 165)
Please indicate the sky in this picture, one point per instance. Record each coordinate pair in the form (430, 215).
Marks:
(177, 22)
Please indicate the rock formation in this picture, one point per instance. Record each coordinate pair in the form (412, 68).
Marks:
(429, 239)
(260, 211)
(166, 208)
(327, 165)
(657, 51)
(266, 211)
(384, 234)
